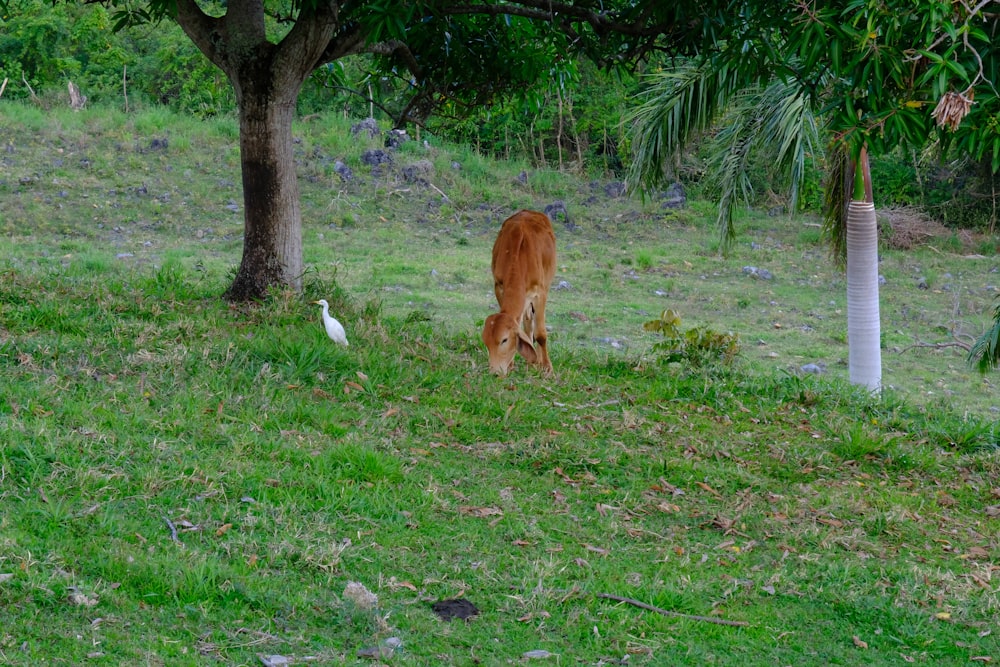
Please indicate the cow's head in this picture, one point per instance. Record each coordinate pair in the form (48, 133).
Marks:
(504, 338)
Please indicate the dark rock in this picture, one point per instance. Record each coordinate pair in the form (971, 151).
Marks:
(522, 178)
(759, 274)
(396, 138)
(343, 171)
(374, 157)
(615, 189)
(420, 171)
(451, 609)
(673, 197)
(554, 209)
(368, 126)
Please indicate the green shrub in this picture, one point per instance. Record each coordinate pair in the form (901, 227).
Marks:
(695, 346)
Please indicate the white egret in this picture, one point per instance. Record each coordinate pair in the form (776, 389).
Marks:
(334, 329)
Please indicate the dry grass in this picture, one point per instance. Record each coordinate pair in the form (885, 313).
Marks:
(907, 227)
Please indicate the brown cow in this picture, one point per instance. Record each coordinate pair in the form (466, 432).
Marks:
(524, 263)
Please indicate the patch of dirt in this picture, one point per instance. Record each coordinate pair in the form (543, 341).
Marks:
(905, 227)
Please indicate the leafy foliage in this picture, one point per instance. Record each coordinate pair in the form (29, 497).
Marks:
(985, 352)
(696, 346)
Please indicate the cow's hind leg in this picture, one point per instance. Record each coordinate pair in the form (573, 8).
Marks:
(541, 335)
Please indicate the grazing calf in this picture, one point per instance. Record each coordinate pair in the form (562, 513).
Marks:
(524, 263)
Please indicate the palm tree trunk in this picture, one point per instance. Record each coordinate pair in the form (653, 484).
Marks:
(863, 327)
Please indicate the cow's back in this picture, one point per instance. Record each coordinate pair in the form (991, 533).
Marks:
(525, 250)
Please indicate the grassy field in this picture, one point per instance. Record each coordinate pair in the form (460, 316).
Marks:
(183, 481)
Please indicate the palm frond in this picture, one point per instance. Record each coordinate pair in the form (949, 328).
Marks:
(790, 125)
(729, 164)
(984, 355)
(676, 106)
(835, 198)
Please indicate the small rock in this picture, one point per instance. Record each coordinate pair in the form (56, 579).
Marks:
(881, 279)
(673, 197)
(922, 283)
(614, 190)
(383, 650)
(562, 285)
(360, 595)
(396, 138)
(374, 157)
(522, 178)
(813, 369)
(451, 609)
(420, 171)
(343, 171)
(368, 126)
(538, 654)
(273, 660)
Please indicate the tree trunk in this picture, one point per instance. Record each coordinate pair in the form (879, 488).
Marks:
(272, 242)
(863, 328)
(267, 78)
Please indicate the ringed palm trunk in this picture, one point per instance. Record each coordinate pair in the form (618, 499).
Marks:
(863, 327)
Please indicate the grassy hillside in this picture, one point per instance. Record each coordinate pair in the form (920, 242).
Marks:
(187, 482)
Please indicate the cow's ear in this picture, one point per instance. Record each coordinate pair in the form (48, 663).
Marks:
(526, 348)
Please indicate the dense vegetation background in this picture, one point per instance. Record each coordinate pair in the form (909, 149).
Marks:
(573, 123)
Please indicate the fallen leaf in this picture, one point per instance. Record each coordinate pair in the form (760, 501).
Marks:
(668, 507)
(393, 583)
(581, 562)
(942, 616)
(596, 550)
(480, 512)
(706, 487)
(859, 642)
(391, 412)
(223, 529)
(981, 658)
(521, 543)
(361, 376)
(907, 658)
(603, 509)
(348, 386)
(978, 552)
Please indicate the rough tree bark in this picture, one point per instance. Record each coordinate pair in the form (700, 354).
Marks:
(267, 79)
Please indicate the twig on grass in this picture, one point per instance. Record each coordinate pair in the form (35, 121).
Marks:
(674, 614)
(938, 346)
(173, 531)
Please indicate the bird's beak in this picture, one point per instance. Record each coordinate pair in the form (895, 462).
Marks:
(316, 302)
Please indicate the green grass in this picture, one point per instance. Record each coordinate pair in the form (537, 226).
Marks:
(135, 403)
